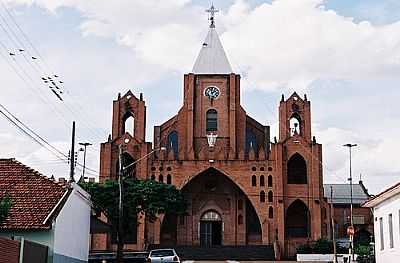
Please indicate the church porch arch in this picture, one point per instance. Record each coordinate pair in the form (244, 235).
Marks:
(213, 190)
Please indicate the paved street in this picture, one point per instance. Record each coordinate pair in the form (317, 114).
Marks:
(233, 261)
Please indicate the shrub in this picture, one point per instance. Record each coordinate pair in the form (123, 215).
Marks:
(304, 249)
(323, 246)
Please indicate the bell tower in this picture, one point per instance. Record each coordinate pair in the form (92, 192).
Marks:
(128, 133)
(295, 118)
(212, 95)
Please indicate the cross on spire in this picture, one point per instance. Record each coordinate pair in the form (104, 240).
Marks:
(212, 10)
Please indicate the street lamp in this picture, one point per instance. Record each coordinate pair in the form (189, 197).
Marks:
(121, 170)
(349, 145)
(84, 144)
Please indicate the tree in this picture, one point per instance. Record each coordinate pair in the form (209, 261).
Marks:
(5, 205)
(139, 196)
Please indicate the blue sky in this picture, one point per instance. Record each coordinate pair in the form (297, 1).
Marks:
(344, 54)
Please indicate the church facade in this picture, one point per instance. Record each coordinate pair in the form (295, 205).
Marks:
(242, 188)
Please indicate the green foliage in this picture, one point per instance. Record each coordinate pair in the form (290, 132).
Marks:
(5, 205)
(363, 250)
(304, 249)
(321, 246)
(147, 196)
(365, 253)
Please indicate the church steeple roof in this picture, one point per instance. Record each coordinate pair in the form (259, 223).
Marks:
(212, 58)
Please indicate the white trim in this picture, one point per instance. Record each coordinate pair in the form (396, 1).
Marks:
(55, 207)
(382, 197)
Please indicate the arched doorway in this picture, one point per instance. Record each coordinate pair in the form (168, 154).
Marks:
(297, 220)
(219, 213)
(210, 229)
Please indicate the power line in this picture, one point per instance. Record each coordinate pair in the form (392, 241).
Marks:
(39, 140)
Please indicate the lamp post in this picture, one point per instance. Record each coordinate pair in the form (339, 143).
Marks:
(84, 144)
(350, 146)
(121, 170)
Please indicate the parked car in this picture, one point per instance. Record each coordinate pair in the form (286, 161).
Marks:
(163, 256)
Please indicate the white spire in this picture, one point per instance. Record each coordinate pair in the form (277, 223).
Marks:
(212, 58)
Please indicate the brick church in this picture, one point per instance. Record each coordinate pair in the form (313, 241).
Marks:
(241, 187)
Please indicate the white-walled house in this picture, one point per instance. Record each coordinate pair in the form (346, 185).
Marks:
(56, 215)
(386, 209)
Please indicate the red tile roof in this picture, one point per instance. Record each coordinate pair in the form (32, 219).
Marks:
(33, 196)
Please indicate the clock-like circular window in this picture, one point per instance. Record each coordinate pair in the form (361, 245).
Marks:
(211, 92)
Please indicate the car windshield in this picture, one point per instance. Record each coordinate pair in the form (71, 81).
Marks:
(162, 253)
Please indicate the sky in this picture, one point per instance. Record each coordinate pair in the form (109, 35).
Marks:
(345, 55)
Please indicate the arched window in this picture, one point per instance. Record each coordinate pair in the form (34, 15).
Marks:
(129, 124)
(161, 178)
(211, 120)
(297, 220)
(250, 141)
(297, 170)
(240, 220)
(270, 212)
(270, 197)
(295, 124)
(253, 180)
(240, 204)
(169, 179)
(173, 143)
(262, 196)
(269, 180)
(262, 180)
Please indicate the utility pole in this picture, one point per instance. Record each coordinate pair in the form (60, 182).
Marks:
(84, 144)
(333, 229)
(72, 155)
(349, 145)
(120, 245)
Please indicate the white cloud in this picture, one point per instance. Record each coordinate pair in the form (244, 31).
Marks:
(288, 44)
(284, 44)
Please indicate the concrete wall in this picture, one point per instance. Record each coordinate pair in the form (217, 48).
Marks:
(72, 228)
(389, 206)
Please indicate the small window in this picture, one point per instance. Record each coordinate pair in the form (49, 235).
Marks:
(169, 179)
(270, 169)
(262, 168)
(262, 197)
(270, 212)
(161, 178)
(169, 168)
(253, 168)
(253, 180)
(211, 120)
(381, 233)
(262, 180)
(240, 204)
(240, 220)
(270, 197)
(391, 231)
(182, 220)
(269, 180)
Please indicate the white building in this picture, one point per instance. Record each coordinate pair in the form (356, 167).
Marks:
(386, 209)
(55, 215)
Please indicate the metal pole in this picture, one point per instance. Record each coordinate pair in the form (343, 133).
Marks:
(349, 145)
(72, 155)
(84, 144)
(333, 229)
(120, 245)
